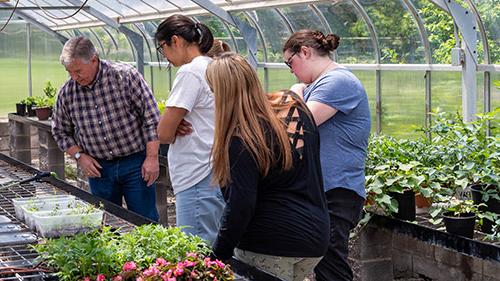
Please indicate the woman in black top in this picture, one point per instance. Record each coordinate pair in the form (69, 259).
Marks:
(266, 157)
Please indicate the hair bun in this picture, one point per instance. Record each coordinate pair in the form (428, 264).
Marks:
(332, 42)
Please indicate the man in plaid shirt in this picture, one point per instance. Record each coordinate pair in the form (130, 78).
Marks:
(106, 118)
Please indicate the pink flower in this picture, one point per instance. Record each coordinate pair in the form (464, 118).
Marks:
(207, 262)
(129, 266)
(86, 279)
(188, 263)
(178, 271)
(100, 277)
(152, 271)
(191, 255)
(118, 278)
(219, 263)
(194, 274)
(162, 262)
(138, 279)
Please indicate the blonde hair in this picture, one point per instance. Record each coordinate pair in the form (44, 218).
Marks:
(241, 110)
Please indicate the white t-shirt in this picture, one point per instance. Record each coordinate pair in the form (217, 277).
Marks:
(189, 156)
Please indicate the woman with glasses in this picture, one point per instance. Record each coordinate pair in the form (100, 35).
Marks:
(266, 159)
(199, 205)
(339, 105)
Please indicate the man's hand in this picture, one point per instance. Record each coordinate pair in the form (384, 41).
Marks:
(89, 166)
(184, 128)
(150, 169)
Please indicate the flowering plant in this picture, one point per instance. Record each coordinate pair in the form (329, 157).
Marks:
(193, 267)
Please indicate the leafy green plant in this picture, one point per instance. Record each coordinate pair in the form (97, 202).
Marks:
(81, 255)
(104, 252)
(456, 206)
(29, 101)
(49, 90)
(146, 243)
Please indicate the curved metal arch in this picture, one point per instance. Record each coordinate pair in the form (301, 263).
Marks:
(482, 31)
(261, 34)
(97, 38)
(236, 49)
(371, 27)
(285, 19)
(421, 29)
(321, 17)
(111, 36)
(145, 38)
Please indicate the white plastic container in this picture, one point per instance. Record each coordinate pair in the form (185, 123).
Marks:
(67, 222)
(50, 206)
(18, 202)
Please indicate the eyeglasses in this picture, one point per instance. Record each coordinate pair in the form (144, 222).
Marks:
(288, 62)
(160, 47)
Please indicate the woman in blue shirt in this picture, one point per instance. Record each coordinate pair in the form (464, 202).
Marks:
(340, 108)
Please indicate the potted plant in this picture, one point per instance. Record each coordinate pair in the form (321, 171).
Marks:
(42, 108)
(458, 215)
(30, 106)
(393, 187)
(21, 108)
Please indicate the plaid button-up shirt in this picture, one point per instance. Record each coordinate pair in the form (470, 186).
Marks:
(113, 117)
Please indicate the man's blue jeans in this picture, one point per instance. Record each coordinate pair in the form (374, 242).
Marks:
(122, 178)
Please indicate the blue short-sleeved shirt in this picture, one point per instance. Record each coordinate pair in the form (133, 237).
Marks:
(344, 137)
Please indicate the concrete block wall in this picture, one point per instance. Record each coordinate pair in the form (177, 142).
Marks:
(414, 258)
(385, 255)
(5, 139)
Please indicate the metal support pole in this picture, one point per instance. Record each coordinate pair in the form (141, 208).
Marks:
(428, 102)
(28, 51)
(378, 100)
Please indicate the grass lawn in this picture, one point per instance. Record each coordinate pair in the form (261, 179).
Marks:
(403, 93)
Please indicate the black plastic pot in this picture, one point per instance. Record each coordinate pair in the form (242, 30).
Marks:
(492, 205)
(462, 225)
(406, 205)
(20, 109)
(31, 110)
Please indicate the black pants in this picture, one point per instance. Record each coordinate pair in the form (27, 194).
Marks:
(345, 207)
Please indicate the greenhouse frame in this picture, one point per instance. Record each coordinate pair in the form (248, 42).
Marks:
(465, 55)
(414, 197)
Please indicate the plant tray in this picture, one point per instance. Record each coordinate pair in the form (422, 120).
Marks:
(66, 223)
(19, 202)
(50, 206)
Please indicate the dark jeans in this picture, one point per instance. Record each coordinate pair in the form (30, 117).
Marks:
(122, 177)
(345, 207)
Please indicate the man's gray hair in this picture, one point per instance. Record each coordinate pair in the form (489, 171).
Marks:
(78, 48)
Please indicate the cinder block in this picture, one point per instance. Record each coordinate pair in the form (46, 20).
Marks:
(4, 129)
(438, 271)
(375, 243)
(447, 256)
(377, 270)
(491, 269)
(19, 129)
(421, 248)
(400, 242)
(19, 142)
(4, 143)
(402, 264)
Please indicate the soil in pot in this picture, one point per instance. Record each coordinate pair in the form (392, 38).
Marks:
(20, 109)
(406, 205)
(462, 225)
(422, 202)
